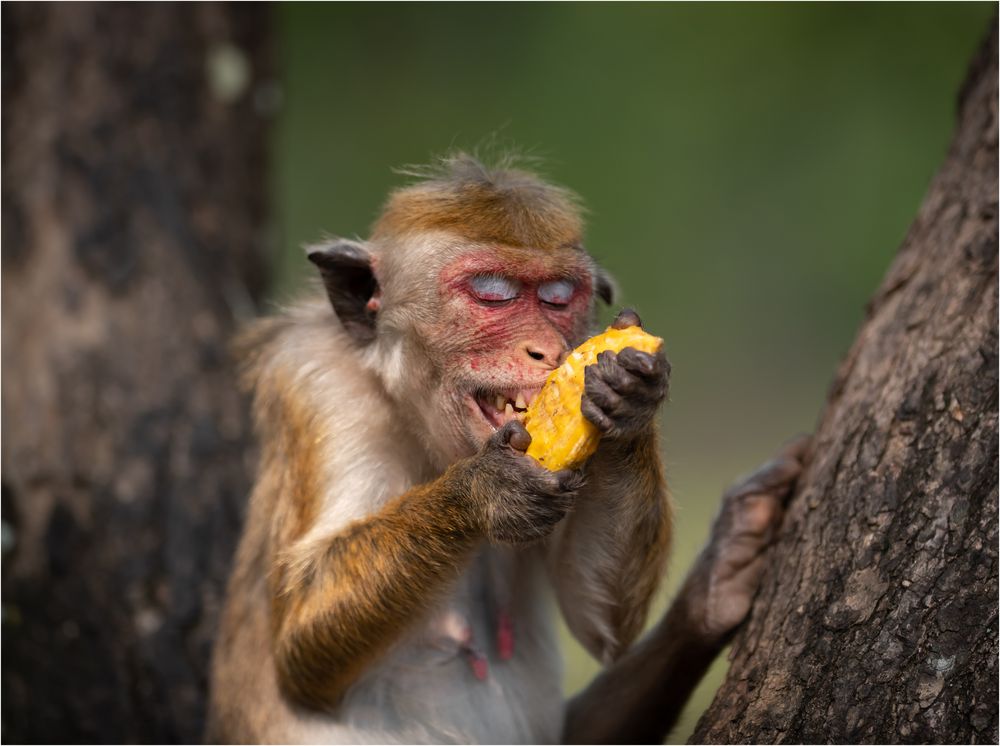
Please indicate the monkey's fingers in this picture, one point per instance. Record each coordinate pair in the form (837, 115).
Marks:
(569, 480)
(556, 485)
(797, 448)
(644, 364)
(596, 415)
(613, 374)
(627, 397)
(626, 317)
(758, 518)
(604, 385)
(514, 434)
(776, 477)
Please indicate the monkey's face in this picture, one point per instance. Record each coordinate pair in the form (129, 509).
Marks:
(471, 289)
(507, 318)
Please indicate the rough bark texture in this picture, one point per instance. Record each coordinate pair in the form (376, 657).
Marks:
(133, 208)
(877, 621)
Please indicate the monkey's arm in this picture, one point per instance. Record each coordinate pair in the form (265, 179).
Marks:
(339, 601)
(638, 698)
(608, 556)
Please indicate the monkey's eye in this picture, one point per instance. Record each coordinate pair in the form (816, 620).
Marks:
(494, 288)
(556, 292)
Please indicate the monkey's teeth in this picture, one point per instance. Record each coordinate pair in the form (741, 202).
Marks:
(520, 403)
(508, 412)
(500, 401)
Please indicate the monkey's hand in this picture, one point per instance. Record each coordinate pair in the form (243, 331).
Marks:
(622, 391)
(514, 499)
(718, 592)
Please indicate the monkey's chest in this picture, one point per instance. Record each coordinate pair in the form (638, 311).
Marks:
(476, 623)
(483, 667)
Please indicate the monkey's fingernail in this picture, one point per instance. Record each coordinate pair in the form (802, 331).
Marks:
(520, 440)
(626, 317)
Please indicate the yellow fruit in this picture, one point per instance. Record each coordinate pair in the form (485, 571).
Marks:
(561, 437)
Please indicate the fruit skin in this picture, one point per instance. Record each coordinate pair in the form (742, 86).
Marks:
(561, 437)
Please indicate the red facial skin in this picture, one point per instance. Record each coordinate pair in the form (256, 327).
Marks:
(492, 333)
(488, 344)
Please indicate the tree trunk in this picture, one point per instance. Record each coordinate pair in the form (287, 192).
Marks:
(133, 237)
(877, 621)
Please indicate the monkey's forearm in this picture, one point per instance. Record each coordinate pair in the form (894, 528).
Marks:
(340, 602)
(639, 697)
(609, 556)
(339, 606)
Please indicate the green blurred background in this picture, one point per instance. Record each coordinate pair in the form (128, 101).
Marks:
(750, 171)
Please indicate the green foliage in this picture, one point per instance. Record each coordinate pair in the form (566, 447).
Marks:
(750, 170)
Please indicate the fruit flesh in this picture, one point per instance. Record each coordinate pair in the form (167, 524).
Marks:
(561, 437)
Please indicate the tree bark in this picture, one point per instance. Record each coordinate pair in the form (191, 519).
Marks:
(133, 239)
(877, 620)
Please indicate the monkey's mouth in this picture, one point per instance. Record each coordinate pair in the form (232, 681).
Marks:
(500, 407)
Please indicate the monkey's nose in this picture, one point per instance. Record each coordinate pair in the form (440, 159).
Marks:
(545, 354)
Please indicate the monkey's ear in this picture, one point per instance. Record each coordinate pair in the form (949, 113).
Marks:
(605, 286)
(346, 268)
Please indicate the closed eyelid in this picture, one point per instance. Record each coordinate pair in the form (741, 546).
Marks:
(494, 287)
(557, 292)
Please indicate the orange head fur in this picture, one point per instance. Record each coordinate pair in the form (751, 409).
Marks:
(505, 206)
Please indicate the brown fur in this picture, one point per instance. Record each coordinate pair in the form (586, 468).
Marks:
(502, 206)
(612, 556)
(345, 606)
(335, 609)
(357, 532)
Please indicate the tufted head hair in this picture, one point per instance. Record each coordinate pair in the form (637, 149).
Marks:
(503, 205)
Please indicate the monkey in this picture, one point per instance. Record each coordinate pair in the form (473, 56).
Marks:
(402, 557)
